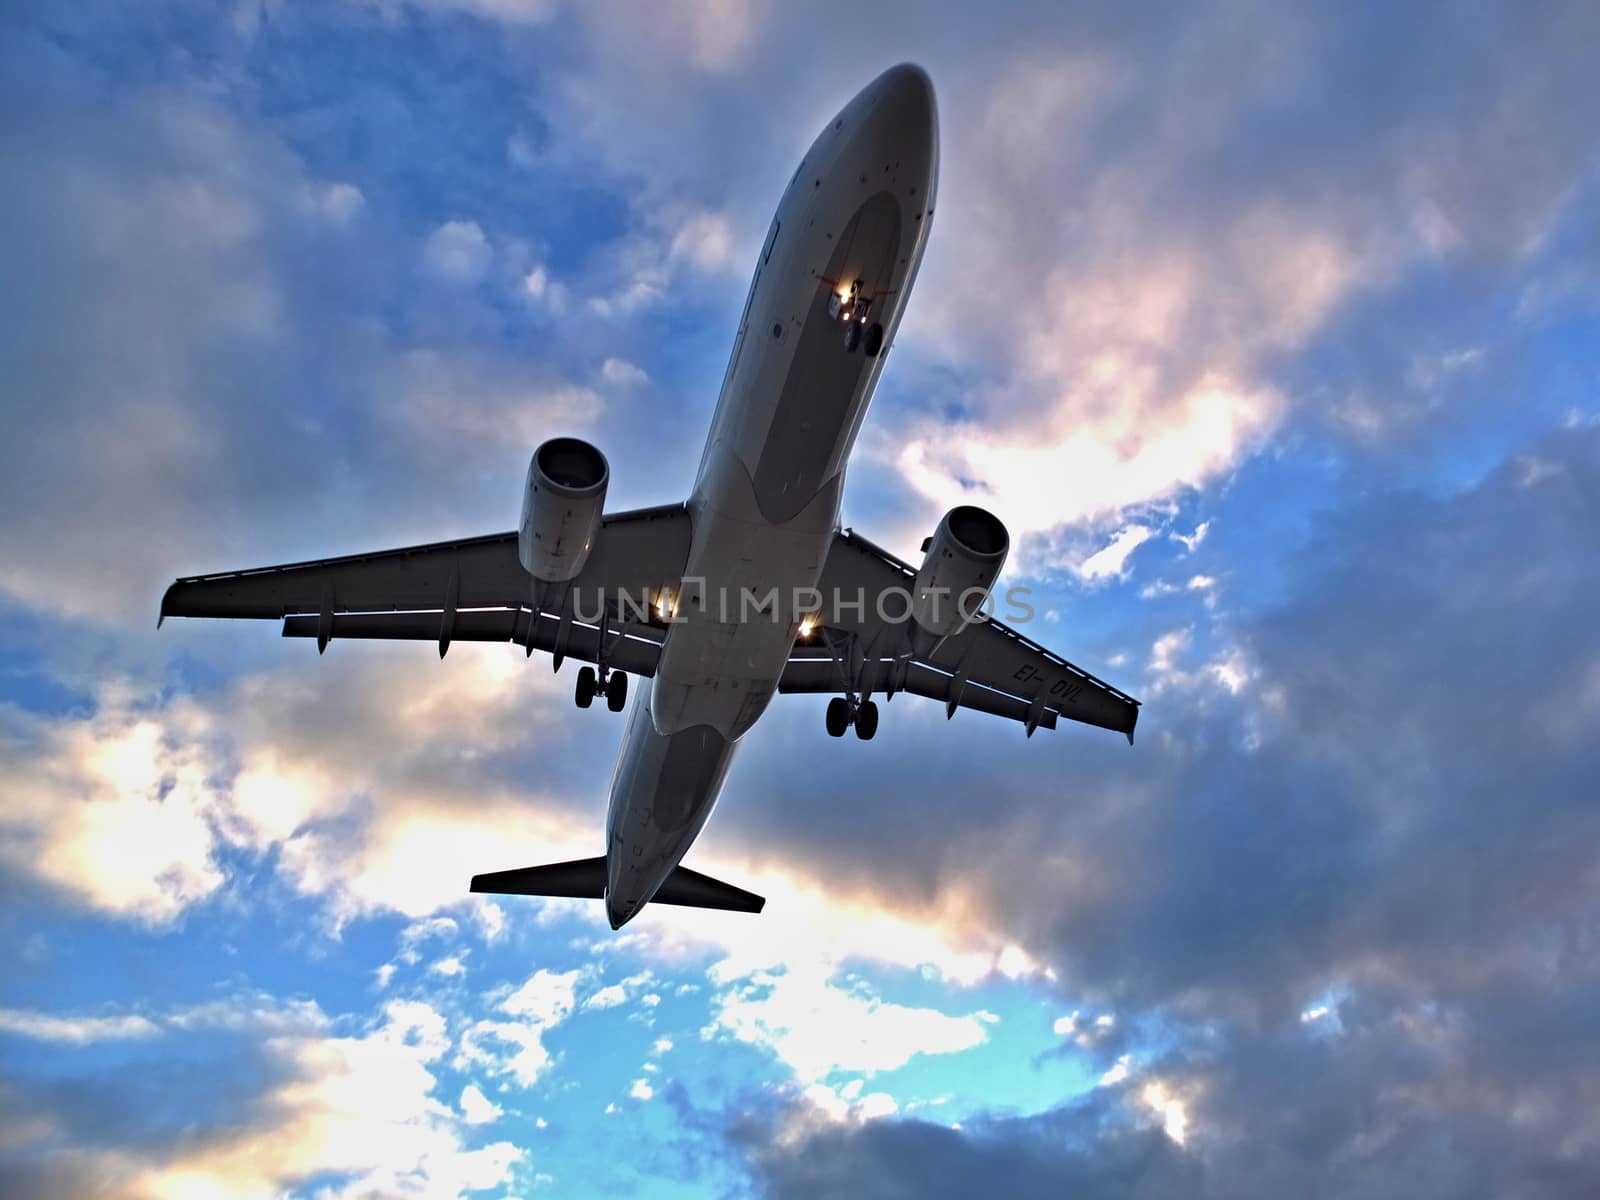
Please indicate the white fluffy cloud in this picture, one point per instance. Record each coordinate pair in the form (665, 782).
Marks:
(130, 809)
(1110, 561)
(622, 373)
(706, 241)
(476, 1108)
(75, 1031)
(357, 1104)
(361, 1105)
(116, 809)
(818, 1026)
(515, 1047)
(458, 249)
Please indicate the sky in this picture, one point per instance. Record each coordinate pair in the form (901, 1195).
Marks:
(1270, 332)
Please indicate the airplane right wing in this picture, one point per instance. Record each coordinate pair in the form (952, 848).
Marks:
(469, 590)
(987, 666)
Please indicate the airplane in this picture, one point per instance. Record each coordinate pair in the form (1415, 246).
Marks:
(749, 588)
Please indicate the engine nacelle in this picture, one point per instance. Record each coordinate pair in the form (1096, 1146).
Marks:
(561, 507)
(963, 559)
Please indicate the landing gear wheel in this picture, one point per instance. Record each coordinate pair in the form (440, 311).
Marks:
(852, 336)
(586, 687)
(838, 716)
(874, 342)
(616, 691)
(867, 720)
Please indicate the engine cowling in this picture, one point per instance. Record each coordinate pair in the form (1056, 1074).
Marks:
(562, 503)
(962, 561)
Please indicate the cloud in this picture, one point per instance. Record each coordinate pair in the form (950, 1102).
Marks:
(516, 12)
(622, 373)
(357, 1105)
(133, 808)
(1230, 881)
(1109, 562)
(607, 997)
(352, 1105)
(1370, 775)
(1091, 1149)
(705, 240)
(457, 249)
(1192, 540)
(75, 1031)
(450, 967)
(113, 808)
(476, 1108)
(338, 202)
(818, 1027)
(516, 1047)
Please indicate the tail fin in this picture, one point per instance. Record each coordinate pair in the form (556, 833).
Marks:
(585, 878)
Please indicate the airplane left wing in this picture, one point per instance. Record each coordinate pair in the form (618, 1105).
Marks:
(469, 590)
(987, 666)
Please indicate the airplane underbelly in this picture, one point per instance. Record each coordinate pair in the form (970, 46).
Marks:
(807, 439)
(739, 609)
(824, 304)
(662, 793)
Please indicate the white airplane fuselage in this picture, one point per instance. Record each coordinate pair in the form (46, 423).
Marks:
(766, 501)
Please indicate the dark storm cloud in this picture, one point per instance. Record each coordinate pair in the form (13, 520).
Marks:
(219, 347)
(1406, 1102)
(1398, 805)
(1086, 1150)
(1417, 830)
(1424, 703)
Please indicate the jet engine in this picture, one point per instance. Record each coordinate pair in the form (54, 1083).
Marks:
(962, 560)
(561, 508)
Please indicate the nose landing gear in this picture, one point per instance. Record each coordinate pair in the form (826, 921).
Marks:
(849, 306)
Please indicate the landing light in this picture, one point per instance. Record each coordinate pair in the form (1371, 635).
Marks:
(808, 625)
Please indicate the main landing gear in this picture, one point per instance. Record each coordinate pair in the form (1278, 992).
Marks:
(613, 684)
(844, 712)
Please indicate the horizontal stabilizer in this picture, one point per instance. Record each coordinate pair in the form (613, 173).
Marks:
(585, 879)
(694, 890)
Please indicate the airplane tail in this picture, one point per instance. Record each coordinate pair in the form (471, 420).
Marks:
(585, 878)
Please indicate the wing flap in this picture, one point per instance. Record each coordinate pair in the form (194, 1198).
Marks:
(632, 648)
(820, 675)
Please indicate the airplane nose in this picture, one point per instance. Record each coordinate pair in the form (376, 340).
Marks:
(905, 86)
(903, 97)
